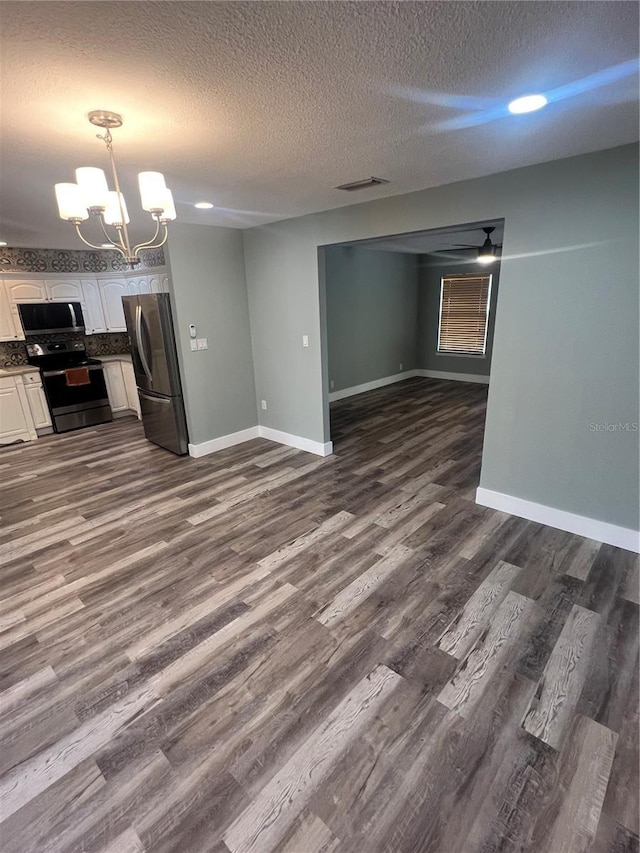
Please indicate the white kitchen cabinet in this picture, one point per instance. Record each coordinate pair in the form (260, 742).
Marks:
(33, 290)
(23, 291)
(37, 401)
(10, 328)
(94, 314)
(138, 284)
(116, 388)
(129, 377)
(59, 290)
(16, 423)
(111, 292)
(159, 283)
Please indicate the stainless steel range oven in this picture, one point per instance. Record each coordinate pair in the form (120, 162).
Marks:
(73, 384)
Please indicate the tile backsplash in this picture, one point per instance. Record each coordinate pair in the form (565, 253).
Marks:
(73, 260)
(13, 353)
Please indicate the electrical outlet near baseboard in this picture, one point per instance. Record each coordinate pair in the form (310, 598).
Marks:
(263, 403)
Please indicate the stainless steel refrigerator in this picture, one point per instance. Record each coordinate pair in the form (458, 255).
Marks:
(155, 362)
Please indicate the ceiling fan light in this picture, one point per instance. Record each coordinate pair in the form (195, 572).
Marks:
(113, 214)
(70, 202)
(487, 253)
(153, 190)
(93, 186)
(527, 104)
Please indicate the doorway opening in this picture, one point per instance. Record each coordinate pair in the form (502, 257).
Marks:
(409, 322)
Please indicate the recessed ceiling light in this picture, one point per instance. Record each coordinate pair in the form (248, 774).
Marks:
(203, 205)
(527, 104)
(3, 243)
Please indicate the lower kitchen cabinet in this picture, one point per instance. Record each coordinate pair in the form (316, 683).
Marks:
(121, 385)
(16, 422)
(115, 386)
(130, 386)
(37, 401)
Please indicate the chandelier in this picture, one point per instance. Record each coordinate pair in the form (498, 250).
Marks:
(91, 195)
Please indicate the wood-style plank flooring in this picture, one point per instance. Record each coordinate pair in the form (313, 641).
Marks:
(262, 650)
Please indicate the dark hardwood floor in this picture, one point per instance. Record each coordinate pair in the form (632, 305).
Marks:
(262, 650)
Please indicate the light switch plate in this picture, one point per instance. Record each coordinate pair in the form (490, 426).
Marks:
(305, 340)
(202, 343)
(194, 345)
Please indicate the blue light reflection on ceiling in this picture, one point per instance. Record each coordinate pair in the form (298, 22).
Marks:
(484, 110)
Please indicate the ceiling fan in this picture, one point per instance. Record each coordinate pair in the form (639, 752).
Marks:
(487, 253)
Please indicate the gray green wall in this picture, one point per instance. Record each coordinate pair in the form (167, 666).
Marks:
(372, 300)
(431, 269)
(565, 351)
(209, 289)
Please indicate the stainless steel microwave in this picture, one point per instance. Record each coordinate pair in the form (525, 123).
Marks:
(43, 318)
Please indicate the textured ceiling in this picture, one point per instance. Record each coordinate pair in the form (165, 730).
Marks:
(264, 107)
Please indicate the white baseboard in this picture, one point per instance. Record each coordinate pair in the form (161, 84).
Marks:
(371, 386)
(399, 377)
(215, 444)
(601, 531)
(297, 441)
(455, 377)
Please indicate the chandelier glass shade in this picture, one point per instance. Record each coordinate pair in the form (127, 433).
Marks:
(90, 196)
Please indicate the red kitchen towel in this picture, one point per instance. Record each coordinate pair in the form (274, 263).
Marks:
(77, 376)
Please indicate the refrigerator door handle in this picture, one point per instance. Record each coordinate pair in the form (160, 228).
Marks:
(140, 344)
(166, 401)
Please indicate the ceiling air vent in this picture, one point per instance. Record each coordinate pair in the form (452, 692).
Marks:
(362, 185)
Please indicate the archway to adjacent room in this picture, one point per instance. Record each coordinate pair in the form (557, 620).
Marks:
(407, 329)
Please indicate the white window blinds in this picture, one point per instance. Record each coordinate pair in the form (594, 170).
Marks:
(464, 313)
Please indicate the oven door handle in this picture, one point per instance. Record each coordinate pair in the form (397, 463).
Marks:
(141, 350)
(48, 373)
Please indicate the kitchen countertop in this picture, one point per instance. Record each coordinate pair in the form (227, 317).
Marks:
(123, 356)
(18, 370)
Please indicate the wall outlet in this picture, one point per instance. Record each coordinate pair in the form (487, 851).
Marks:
(400, 365)
(194, 345)
(305, 340)
(263, 403)
(203, 343)
(332, 385)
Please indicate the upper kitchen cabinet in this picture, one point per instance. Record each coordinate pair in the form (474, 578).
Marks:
(10, 328)
(100, 298)
(159, 283)
(60, 290)
(33, 290)
(111, 292)
(138, 284)
(94, 313)
(18, 291)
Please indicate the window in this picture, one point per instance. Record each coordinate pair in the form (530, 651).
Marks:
(464, 314)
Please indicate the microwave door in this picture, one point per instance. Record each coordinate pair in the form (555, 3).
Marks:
(77, 318)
